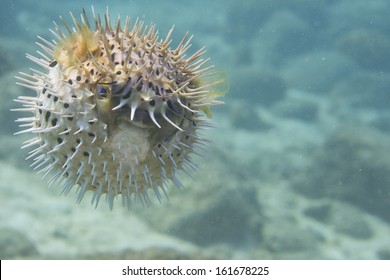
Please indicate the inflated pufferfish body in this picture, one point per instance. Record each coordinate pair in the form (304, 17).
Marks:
(117, 111)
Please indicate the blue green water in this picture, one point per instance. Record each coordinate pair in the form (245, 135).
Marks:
(299, 167)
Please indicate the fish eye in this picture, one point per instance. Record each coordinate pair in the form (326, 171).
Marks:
(103, 91)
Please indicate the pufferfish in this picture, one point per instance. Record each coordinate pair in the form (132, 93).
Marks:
(117, 111)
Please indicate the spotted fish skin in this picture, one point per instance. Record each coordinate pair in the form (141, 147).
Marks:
(117, 111)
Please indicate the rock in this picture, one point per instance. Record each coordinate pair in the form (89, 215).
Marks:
(260, 86)
(384, 254)
(349, 221)
(369, 48)
(317, 72)
(314, 12)
(15, 245)
(226, 220)
(363, 89)
(6, 64)
(381, 122)
(352, 166)
(245, 116)
(284, 35)
(9, 11)
(342, 218)
(153, 253)
(319, 213)
(10, 91)
(299, 106)
(352, 14)
(11, 152)
(213, 211)
(255, 14)
(286, 237)
(9, 143)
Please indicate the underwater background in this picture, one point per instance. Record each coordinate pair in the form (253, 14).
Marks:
(299, 167)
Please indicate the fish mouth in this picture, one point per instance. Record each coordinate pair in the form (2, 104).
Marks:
(141, 119)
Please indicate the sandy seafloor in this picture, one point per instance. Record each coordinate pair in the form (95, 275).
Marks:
(299, 167)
